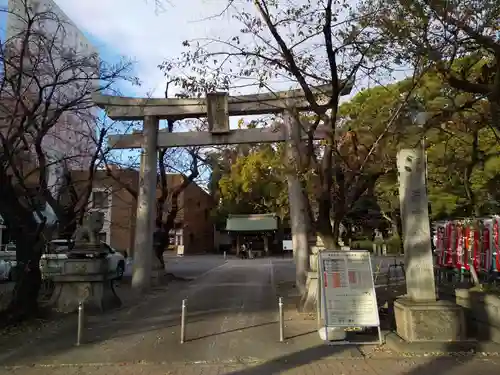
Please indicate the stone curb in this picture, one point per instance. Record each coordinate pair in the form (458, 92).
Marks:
(254, 361)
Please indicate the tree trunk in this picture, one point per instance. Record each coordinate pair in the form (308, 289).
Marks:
(165, 226)
(393, 222)
(29, 242)
(347, 237)
(27, 275)
(327, 239)
(337, 220)
(324, 225)
(329, 229)
(494, 96)
(472, 206)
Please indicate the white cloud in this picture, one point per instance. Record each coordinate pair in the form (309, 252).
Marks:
(132, 28)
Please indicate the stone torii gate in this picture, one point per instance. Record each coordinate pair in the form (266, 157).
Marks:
(217, 107)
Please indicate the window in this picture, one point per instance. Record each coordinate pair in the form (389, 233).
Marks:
(99, 199)
(103, 237)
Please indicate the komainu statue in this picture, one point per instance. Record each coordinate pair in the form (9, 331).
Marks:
(87, 235)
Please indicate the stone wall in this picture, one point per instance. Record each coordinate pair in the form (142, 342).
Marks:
(482, 311)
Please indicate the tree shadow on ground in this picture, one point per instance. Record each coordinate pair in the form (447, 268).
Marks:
(54, 327)
(57, 341)
(292, 361)
(453, 360)
(160, 311)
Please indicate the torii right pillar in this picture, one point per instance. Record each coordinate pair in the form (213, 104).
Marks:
(420, 316)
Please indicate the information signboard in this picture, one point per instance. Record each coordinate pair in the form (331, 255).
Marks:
(347, 290)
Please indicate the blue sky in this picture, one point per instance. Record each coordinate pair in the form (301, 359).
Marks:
(132, 28)
(3, 19)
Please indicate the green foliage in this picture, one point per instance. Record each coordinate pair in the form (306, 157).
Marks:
(255, 183)
(367, 117)
(458, 39)
(386, 191)
(462, 149)
(362, 245)
(394, 245)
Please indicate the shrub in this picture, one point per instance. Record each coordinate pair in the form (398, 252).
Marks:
(362, 245)
(394, 245)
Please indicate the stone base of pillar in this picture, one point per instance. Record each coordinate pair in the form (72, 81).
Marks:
(313, 258)
(431, 321)
(96, 296)
(76, 280)
(308, 302)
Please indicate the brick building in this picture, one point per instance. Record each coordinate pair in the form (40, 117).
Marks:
(114, 196)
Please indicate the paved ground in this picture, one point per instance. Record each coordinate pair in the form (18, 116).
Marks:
(290, 366)
(232, 329)
(232, 315)
(194, 265)
(188, 266)
(6, 289)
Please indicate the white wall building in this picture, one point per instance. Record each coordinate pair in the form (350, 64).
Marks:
(73, 137)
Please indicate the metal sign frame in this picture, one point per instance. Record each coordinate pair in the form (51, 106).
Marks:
(322, 299)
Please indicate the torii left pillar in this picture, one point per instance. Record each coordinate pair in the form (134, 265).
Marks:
(144, 224)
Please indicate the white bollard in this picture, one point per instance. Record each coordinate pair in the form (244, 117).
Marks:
(183, 321)
(80, 324)
(282, 322)
(225, 255)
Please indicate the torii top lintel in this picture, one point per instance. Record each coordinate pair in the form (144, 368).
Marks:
(129, 109)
